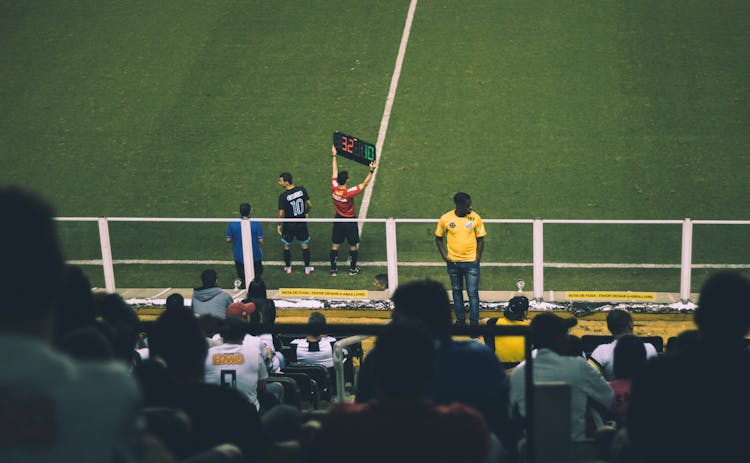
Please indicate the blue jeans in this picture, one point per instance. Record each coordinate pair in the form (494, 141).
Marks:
(458, 271)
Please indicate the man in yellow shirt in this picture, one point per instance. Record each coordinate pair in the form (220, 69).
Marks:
(465, 233)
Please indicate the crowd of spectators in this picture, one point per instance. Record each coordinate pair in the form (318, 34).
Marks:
(80, 382)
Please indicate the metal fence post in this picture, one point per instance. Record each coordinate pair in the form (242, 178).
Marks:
(247, 251)
(538, 240)
(391, 254)
(109, 269)
(686, 264)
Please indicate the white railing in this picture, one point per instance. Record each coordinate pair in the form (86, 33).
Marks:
(392, 262)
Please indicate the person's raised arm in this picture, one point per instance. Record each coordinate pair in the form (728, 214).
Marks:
(335, 172)
(367, 179)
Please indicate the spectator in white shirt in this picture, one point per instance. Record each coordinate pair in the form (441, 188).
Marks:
(619, 323)
(316, 347)
(549, 334)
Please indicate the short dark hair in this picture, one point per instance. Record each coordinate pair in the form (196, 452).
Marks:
(629, 356)
(74, 304)
(426, 301)
(461, 198)
(232, 330)
(257, 289)
(30, 252)
(208, 277)
(245, 209)
(123, 321)
(342, 177)
(286, 176)
(178, 339)
(210, 324)
(394, 377)
(316, 324)
(723, 312)
(175, 301)
(619, 321)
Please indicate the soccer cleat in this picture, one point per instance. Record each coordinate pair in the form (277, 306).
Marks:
(334, 271)
(354, 271)
(308, 270)
(288, 270)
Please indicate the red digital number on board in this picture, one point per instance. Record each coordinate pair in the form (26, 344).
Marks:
(347, 144)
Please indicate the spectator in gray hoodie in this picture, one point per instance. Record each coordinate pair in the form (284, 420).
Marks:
(209, 298)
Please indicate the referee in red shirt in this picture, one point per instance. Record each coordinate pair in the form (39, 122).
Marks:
(343, 201)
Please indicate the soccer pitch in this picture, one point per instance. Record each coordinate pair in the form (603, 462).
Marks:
(551, 109)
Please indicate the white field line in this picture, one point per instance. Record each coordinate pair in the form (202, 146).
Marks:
(365, 205)
(161, 292)
(415, 264)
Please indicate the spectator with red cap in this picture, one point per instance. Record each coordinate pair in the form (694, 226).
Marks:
(241, 310)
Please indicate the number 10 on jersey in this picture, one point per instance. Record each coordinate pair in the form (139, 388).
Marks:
(353, 148)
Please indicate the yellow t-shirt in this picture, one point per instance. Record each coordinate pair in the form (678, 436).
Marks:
(510, 348)
(462, 234)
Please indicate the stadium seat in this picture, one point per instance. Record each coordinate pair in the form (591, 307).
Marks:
(656, 341)
(319, 373)
(309, 393)
(292, 392)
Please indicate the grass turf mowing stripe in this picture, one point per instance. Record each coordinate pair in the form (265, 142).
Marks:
(388, 106)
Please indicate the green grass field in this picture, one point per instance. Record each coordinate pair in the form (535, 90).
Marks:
(553, 109)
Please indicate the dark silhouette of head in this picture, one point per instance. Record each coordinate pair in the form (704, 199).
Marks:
(549, 330)
(575, 346)
(723, 312)
(232, 330)
(286, 176)
(316, 324)
(265, 312)
(342, 177)
(74, 307)
(210, 324)
(178, 340)
(123, 322)
(685, 340)
(245, 209)
(175, 301)
(395, 378)
(87, 343)
(619, 322)
(32, 263)
(461, 198)
(629, 356)
(208, 278)
(425, 301)
(257, 289)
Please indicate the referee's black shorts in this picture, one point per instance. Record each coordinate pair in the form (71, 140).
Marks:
(345, 231)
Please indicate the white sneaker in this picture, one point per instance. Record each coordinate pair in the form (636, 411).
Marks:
(308, 270)
(288, 270)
